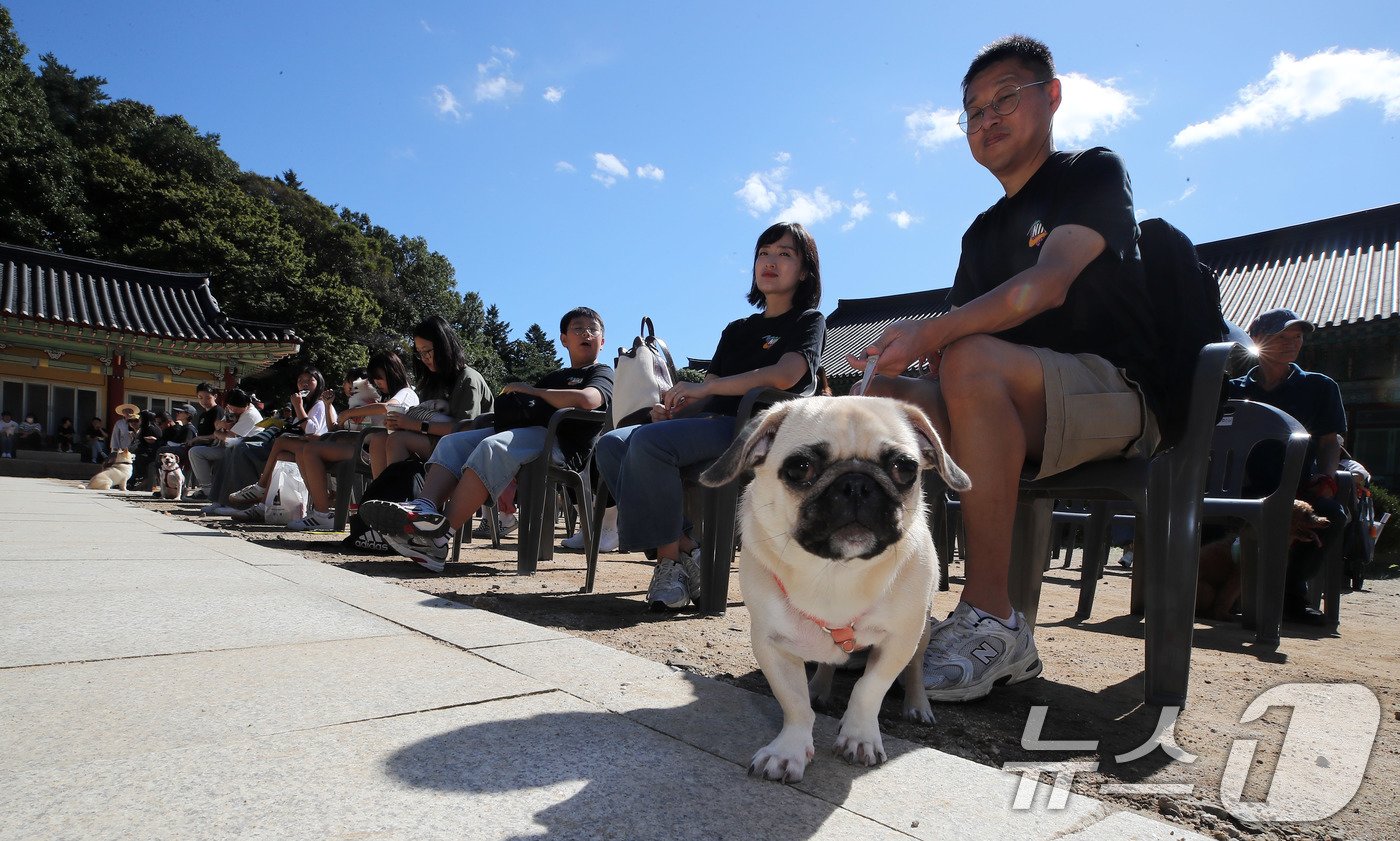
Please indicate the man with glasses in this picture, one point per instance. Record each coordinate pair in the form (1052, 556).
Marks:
(467, 469)
(1046, 359)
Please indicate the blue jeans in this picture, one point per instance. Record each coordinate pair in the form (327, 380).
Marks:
(642, 466)
(495, 457)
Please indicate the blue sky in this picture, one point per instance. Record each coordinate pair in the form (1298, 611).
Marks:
(626, 155)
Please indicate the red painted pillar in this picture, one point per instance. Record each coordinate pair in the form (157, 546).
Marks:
(230, 379)
(116, 385)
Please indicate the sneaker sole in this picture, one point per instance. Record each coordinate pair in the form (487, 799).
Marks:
(985, 687)
(662, 607)
(389, 518)
(423, 560)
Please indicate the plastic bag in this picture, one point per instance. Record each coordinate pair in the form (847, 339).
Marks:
(287, 497)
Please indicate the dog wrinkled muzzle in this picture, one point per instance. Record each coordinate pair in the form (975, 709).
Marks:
(854, 516)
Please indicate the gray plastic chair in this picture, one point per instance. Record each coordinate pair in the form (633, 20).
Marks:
(1166, 491)
(1264, 539)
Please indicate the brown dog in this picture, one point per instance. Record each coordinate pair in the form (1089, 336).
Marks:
(1218, 586)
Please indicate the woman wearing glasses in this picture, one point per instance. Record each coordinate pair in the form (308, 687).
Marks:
(778, 347)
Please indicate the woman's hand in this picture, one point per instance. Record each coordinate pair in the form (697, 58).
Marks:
(328, 396)
(392, 421)
(659, 412)
(678, 395)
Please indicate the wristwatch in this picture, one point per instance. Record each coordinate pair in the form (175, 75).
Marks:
(423, 427)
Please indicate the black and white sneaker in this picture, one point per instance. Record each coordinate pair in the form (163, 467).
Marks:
(403, 518)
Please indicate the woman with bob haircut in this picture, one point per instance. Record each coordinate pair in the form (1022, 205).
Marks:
(449, 390)
(694, 422)
(387, 373)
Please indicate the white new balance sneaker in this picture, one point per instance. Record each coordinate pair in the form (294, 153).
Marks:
(970, 655)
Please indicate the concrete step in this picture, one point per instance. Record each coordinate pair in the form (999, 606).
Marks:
(39, 464)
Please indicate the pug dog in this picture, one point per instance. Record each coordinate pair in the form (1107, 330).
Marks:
(116, 475)
(837, 558)
(172, 478)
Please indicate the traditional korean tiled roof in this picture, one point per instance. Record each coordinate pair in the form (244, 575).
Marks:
(1342, 270)
(856, 322)
(60, 289)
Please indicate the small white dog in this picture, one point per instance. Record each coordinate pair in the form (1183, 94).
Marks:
(115, 475)
(172, 478)
(837, 557)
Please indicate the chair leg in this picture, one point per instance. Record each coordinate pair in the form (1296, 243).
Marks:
(594, 536)
(938, 527)
(1333, 576)
(585, 501)
(1095, 556)
(1142, 558)
(1030, 546)
(717, 552)
(1270, 561)
(1171, 593)
(530, 500)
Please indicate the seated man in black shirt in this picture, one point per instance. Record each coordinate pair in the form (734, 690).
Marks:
(1314, 401)
(467, 469)
(1046, 359)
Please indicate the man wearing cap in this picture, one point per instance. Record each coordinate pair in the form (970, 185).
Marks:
(1315, 401)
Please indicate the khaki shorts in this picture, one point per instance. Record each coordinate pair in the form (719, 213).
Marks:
(1092, 411)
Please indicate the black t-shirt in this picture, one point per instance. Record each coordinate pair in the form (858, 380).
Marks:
(1313, 399)
(757, 342)
(176, 433)
(205, 424)
(576, 439)
(1107, 310)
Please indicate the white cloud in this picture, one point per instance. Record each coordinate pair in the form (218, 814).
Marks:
(930, 127)
(607, 169)
(808, 208)
(892, 196)
(493, 79)
(1185, 194)
(903, 219)
(553, 94)
(563, 166)
(859, 211)
(1300, 90)
(655, 173)
(1089, 109)
(765, 190)
(446, 103)
(424, 24)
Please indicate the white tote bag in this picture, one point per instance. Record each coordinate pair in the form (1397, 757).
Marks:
(642, 375)
(286, 495)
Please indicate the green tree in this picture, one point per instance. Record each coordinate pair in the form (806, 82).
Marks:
(533, 356)
(41, 200)
(470, 324)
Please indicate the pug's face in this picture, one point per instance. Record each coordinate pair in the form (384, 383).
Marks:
(840, 475)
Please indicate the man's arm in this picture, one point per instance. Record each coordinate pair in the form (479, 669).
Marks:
(1042, 287)
(588, 398)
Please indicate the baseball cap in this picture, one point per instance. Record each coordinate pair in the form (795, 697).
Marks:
(1274, 321)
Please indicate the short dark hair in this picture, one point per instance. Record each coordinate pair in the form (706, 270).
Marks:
(1031, 53)
(580, 312)
(808, 294)
(237, 397)
(205, 387)
(388, 363)
(447, 354)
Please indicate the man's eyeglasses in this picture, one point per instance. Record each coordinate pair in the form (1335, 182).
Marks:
(1002, 104)
(586, 331)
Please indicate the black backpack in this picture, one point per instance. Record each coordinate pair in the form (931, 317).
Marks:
(1185, 298)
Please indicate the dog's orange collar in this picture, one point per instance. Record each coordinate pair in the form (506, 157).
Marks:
(844, 636)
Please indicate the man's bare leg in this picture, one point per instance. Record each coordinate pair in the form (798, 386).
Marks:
(989, 403)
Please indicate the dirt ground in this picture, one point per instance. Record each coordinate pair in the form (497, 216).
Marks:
(1092, 682)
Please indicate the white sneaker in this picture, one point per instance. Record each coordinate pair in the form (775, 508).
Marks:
(313, 521)
(969, 655)
(669, 586)
(607, 541)
(214, 509)
(690, 562)
(507, 523)
(428, 552)
(247, 496)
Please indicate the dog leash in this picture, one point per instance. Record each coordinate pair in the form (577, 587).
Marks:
(844, 636)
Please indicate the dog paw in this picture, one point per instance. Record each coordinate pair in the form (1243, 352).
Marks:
(917, 709)
(860, 748)
(783, 760)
